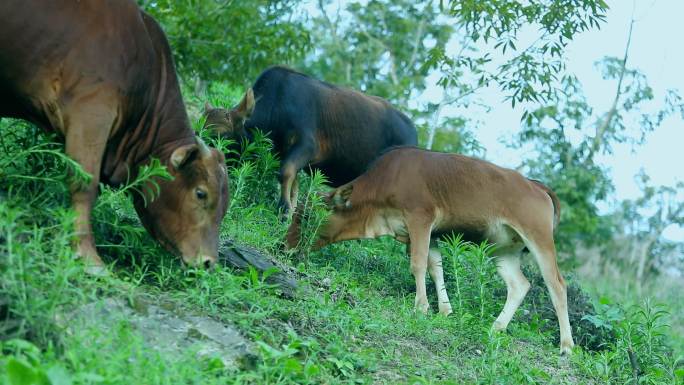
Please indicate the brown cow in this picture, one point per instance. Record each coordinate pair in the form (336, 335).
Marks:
(416, 196)
(101, 74)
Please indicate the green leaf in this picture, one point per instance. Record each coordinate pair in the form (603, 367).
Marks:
(89, 378)
(20, 372)
(292, 366)
(58, 375)
(679, 373)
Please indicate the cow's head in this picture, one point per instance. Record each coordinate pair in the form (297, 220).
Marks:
(186, 216)
(230, 124)
(341, 224)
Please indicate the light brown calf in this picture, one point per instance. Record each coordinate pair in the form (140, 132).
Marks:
(416, 195)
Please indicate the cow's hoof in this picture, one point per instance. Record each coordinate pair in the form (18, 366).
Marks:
(97, 271)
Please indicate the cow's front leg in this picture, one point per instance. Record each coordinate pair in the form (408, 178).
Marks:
(86, 139)
(294, 191)
(297, 157)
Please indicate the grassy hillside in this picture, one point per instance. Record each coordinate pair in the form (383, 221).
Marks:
(355, 325)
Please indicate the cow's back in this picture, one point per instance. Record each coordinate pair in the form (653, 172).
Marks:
(52, 51)
(467, 188)
(350, 128)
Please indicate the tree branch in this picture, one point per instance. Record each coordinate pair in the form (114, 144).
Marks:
(416, 42)
(605, 124)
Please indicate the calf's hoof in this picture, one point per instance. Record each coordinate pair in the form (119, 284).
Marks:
(422, 307)
(445, 309)
(498, 326)
(97, 271)
(284, 209)
(566, 348)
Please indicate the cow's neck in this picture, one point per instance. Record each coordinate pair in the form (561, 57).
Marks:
(162, 127)
(173, 126)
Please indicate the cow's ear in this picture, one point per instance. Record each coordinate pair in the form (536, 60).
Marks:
(340, 198)
(246, 106)
(184, 155)
(207, 107)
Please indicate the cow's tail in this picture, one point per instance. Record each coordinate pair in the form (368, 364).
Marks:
(554, 199)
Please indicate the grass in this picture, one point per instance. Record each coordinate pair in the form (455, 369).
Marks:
(357, 326)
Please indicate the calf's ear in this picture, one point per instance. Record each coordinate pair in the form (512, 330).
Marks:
(207, 107)
(184, 155)
(246, 106)
(340, 198)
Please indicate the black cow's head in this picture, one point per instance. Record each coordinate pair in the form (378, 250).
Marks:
(230, 124)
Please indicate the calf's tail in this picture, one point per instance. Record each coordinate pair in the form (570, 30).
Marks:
(554, 199)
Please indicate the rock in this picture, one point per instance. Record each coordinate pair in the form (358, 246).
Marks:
(243, 257)
(165, 328)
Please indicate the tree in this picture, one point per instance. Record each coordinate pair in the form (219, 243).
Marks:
(526, 74)
(643, 221)
(378, 46)
(230, 41)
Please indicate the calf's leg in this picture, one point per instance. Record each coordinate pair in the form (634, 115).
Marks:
(437, 274)
(545, 254)
(419, 233)
(517, 287)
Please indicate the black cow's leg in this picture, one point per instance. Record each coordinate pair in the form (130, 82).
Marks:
(294, 193)
(298, 156)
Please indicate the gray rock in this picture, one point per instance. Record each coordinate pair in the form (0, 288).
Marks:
(165, 327)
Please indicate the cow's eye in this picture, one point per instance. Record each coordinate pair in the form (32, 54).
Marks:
(201, 194)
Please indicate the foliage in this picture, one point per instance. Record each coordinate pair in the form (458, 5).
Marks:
(230, 40)
(377, 46)
(643, 249)
(529, 72)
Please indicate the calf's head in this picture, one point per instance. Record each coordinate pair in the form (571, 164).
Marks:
(230, 124)
(343, 223)
(186, 215)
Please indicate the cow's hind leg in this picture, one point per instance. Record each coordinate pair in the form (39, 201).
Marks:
(437, 274)
(86, 139)
(517, 287)
(297, 157)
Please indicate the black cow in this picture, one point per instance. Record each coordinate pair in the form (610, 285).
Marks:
(334, 129)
